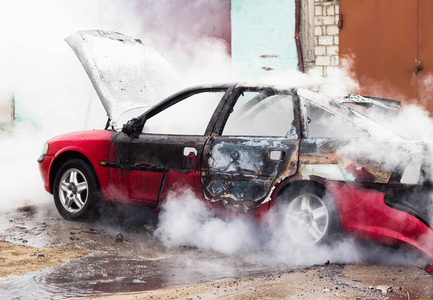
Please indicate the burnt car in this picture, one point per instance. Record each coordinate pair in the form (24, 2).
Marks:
(314, 162)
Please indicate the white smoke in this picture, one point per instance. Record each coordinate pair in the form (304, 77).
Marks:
(52, 92)
(186, 220)
(339, 82)
(53, 95)
(412, 123)
(195, 225)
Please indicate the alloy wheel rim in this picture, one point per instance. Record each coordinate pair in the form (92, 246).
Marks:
(308, 215)
(73, 190)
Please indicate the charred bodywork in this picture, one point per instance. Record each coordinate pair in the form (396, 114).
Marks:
(255, 148)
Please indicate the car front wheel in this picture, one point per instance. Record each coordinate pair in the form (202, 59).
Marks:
(76, 190)
(308, 216)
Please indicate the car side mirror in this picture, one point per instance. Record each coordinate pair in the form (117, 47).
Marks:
(132, 128)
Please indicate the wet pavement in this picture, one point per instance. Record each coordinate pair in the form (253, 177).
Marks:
(125, 257)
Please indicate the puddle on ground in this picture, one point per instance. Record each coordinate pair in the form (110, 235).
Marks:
(84, 277)
(97, 275)
(138, 263)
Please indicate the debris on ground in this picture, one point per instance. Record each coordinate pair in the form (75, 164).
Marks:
(119, 237)
(384, 289)
(429, 268)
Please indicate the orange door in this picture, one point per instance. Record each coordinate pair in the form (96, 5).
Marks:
(425, 50)
(391, 45)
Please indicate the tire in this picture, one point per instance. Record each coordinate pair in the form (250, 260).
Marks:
(308, 215)
(76, 191)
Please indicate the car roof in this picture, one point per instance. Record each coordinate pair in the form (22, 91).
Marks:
(334, 105)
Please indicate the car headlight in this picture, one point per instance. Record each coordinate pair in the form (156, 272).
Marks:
(45, 149)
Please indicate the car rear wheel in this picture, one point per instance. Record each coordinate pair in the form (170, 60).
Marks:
(308, 215)
(76, 190)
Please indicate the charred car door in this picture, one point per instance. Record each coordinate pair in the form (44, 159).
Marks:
(166, 151)
(255, 145)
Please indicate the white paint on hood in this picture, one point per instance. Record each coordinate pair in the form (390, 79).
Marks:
(125, 73)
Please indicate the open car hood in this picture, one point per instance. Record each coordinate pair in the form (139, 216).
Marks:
(125, 73)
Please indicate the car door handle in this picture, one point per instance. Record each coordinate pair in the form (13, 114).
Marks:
(276, 154)
(187, 151)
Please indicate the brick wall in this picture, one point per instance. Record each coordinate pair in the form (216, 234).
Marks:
(326, 15)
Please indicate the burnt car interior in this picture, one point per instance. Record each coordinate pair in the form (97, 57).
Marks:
(322, 123)
(261, 113)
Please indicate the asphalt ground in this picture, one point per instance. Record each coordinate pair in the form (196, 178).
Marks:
(48, 257)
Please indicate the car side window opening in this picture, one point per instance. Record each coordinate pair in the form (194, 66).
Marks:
(323, 124)
(415, 171)
(190, 116)
(261, 113)
(412, 172)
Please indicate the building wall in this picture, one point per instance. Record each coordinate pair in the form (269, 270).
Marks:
(322, 30)
(263, 37)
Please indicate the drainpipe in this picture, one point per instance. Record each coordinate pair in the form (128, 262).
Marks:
(297, 40)
(13, 108)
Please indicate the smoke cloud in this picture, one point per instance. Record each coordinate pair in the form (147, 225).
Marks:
(187, 221)
(52, 92)
(54, 95)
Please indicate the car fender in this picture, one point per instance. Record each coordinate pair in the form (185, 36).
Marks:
(364, 213)
(92, 148)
